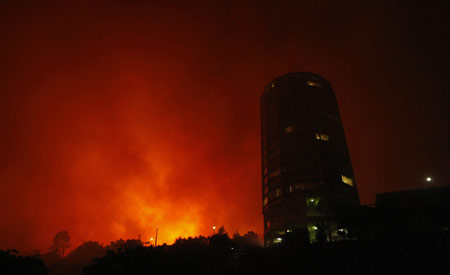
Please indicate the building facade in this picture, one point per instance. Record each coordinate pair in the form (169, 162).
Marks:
(306, 167)
(417, 200)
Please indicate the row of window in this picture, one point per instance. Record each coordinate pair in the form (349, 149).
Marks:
(313, 231)
(275, 173)
(297, 187)
(323, 137)
(311, 202)
(274, 150)
(319, 136)
(308, 82)
(274, 144)
(292, 188)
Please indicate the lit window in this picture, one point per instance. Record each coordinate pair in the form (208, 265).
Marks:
(278, 192)
(309, 186)
(313, 84)
(294, 187)
(289, 129)
(324, 137)
(266, 201)
(274, 174)
(347, 180)
(291, 188)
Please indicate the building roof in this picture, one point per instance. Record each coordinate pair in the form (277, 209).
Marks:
(436, 196)
(298, 75)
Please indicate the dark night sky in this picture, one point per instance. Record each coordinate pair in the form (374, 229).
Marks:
(119, 118)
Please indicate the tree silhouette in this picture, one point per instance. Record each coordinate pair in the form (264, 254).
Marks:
(221, 231)
(61, 241)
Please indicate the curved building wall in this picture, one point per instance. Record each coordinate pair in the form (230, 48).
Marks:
(306, 167)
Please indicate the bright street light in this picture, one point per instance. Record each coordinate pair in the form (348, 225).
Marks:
(428, 179)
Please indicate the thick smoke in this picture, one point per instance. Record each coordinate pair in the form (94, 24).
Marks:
(121, 118)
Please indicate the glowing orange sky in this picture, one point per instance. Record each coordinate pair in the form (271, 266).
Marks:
(118, 119)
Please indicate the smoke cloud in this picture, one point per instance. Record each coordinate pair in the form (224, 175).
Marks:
(121, 117)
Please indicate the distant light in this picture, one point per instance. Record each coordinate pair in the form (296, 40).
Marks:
(428, 179)
(279, 239)
(311, 200)
(214, 228)
(151, 239)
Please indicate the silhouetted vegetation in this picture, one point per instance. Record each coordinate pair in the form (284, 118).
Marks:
(124, 244)
(12, 263)
(83, 255)
(216, 254)
(376, 241)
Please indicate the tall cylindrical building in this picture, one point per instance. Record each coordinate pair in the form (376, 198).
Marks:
(306, 167)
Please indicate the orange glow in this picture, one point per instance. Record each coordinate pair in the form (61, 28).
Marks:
(114, 147)
(118, 118)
